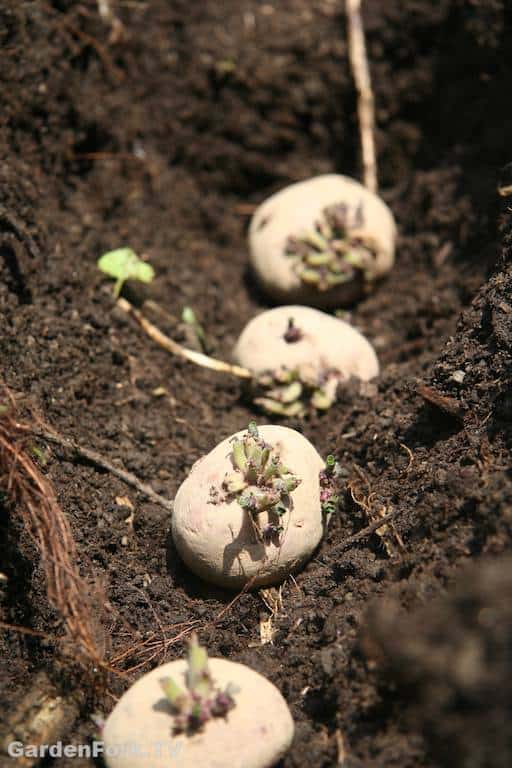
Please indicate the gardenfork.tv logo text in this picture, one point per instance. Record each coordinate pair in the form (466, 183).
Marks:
(157, 749)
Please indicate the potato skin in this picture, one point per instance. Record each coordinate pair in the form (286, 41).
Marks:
(326, 344)
(217, 540)
(294, 210)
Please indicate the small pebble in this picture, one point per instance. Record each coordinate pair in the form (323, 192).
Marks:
(458, 376)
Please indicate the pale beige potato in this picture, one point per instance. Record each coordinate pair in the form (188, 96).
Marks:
(292, 212)
(255, 734)
(327, 343)
(217, 541)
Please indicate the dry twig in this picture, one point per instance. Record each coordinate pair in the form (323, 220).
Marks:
(410, 456)
(365, 103)
(12, 223)
(362, 534)
(75, 450)
(378, 515)
(158, 643)
(176, 349)
(117, 30)
(153, 647)
(443, 403)
(65, 22)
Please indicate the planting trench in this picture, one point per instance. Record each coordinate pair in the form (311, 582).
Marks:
(164, 139)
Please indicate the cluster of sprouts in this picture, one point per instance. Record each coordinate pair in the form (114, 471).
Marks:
(289, 392)
(201, 700)
(332, 253)
(260, 482)
(329, 498)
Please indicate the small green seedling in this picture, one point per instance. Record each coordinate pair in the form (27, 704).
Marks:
(39, 455)
(123, 264)
(329, 497)
(188, 316)
(201, 700)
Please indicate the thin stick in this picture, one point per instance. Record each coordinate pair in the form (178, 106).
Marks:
(25, 631)
(365, 532)
(365, 103)
(74, 449)
(176, 349)
(21, 231)
(117, 30)
(152, 645)
(362, 534)
(116, 73)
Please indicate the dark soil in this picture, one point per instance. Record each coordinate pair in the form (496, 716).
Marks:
(162, 141)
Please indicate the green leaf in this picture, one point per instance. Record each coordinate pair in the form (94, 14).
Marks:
(272, 406)
(279, 509)
(319, 258)
(321, 400)
(188, 316)
(354, 258)
(265, 499)
(239, 457)
(124, 264)
(265, 454)
(291, 482)
(316, 240)
(253, 452)
(272, 468)
(284, 376)
(198, 676)
(234, 482)
(332, 467)
(172, 691)
(38, 454)
(246, 500)
(291, 393)
(253, 429)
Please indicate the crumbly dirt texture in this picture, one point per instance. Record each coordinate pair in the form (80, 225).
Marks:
(162, 133)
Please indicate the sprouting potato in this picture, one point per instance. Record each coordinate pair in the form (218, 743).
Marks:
(251, 509)
(321, 242)
(299, 355)
(207, 713)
